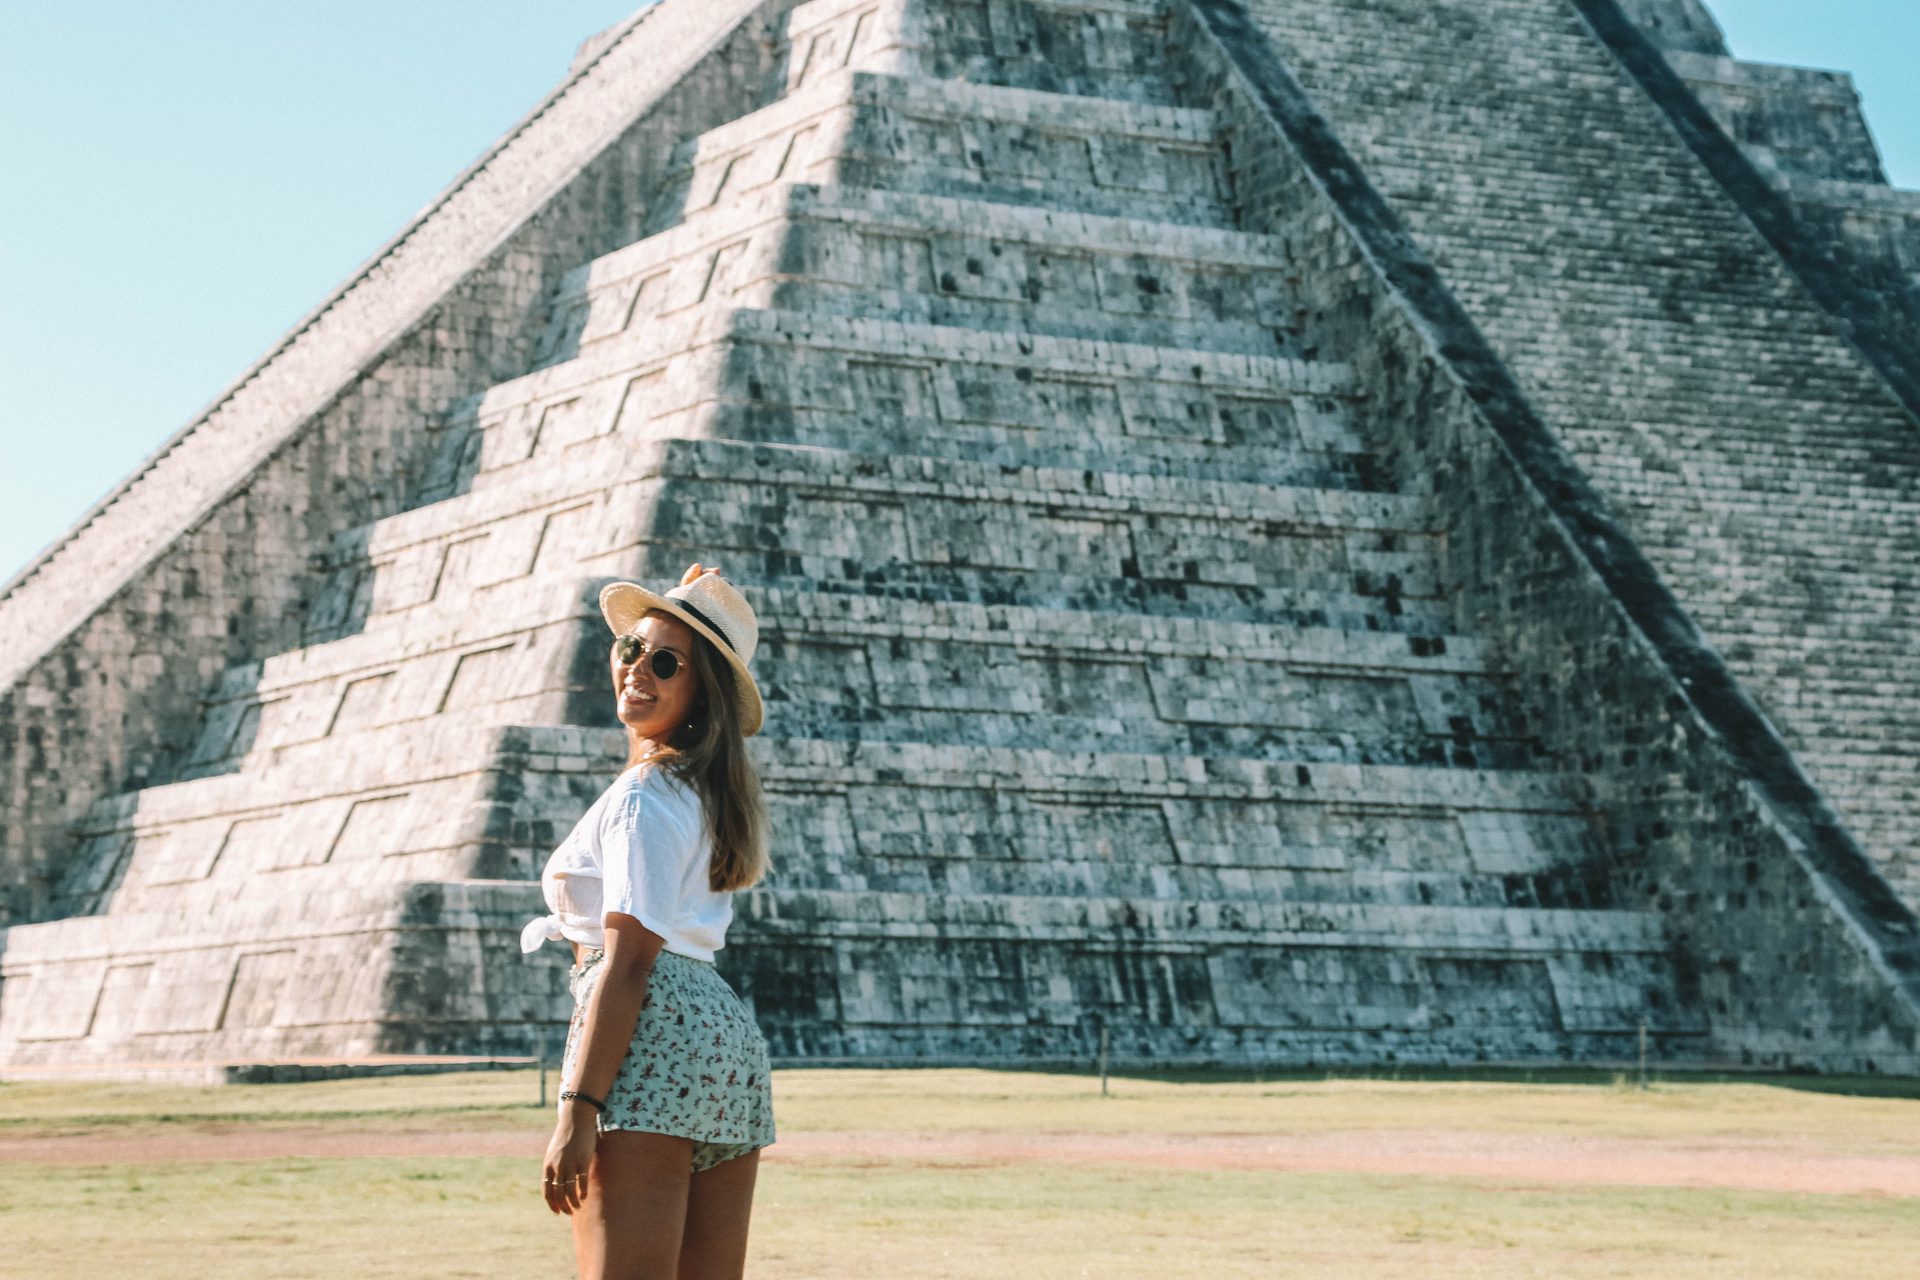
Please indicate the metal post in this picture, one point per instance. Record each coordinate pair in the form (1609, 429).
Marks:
(543, 1072)
(1643, 1053)
(1103, 1059)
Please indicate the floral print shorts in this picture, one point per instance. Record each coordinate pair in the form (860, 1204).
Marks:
(697, 1066)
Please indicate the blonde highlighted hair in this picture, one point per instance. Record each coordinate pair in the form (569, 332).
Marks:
(709, 754)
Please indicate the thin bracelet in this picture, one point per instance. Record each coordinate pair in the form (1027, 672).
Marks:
(567, 1095)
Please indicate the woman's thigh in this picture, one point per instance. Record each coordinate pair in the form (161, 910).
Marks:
(635, 1211)
(719, 1202)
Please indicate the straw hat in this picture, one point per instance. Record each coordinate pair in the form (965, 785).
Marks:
(713, 607)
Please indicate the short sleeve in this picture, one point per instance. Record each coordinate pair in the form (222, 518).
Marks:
(646, 848)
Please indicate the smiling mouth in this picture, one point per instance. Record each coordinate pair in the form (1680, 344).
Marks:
(634, 695)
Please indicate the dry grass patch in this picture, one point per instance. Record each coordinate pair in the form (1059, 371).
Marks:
(905, 1220)
(917, 1216)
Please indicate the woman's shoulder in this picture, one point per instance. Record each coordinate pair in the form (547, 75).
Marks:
(650, 785)
(653, 777)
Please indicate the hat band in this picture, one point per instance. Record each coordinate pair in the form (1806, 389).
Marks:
(704, 620)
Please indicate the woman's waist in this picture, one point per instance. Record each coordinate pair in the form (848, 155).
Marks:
(584, 955)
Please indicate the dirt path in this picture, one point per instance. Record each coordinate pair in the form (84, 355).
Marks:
(1512, 1159)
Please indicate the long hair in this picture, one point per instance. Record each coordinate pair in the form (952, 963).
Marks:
(710, 755)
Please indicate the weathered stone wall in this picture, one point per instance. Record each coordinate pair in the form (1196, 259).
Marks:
(1807, 134)
(1791, 150)
(1743, 442)
(1149, 633)
(1684, 26)
(1794, 941)
(1790, 121)
(202, 560)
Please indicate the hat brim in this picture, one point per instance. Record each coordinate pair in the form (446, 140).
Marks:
(623, 604)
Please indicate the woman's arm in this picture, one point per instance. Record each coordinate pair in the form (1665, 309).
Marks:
(614, 1010)
(605, 1033)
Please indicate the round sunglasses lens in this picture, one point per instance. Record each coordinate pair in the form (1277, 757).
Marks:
(665, 664)
(627, 650)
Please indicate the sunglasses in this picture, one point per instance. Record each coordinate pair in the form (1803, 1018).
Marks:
(664, 663)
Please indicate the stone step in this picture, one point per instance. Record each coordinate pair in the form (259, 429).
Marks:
(517, 663)
(1848, 692)
(1225, 970)
(839, 666)
(1244, 979)
(401, 802)
(981, 142)
(863, 800)
(1889, 770)
(1881, 222)
(1181, 830)
(1097, 48)
(1789, 609)
(1873, 648)
(1069, 683)
(788, 510)
(461, 794)
(1033, 1000)
(350, 972)
(890, 620)
(1009, 398)
(1286, 607)
(1821, 525)
(872, 386)
(800, 609)
(1851, 695)
(1741, 611)
(1869, 731)
(924, 259)
(831, 505)
(1869, 651)
(1821, 498)
(1834, 466)
(1828, 414)
(951, 918)
(1889, 726)
(1079, 874)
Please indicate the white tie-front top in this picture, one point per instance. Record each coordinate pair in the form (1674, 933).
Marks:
(641, 850)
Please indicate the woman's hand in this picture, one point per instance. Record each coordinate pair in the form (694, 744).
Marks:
(695, 570)
(569, 1156)
(606, 1033)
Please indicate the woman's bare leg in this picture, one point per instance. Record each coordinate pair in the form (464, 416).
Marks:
(629, 1226)
(719, 1202)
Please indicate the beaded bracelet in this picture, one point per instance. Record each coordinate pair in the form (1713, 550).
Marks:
(567, 1095)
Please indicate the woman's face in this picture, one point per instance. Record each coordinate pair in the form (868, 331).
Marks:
(652, 707)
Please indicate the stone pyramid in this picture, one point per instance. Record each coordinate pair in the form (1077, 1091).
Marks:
(1197, 602)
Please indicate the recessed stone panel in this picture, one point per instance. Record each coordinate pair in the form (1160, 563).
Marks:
(257, 993)
(59, 999)
(374, 827)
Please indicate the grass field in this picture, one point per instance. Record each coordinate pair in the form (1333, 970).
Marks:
(88, 1188)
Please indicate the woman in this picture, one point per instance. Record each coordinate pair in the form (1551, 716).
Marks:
(665, 1099)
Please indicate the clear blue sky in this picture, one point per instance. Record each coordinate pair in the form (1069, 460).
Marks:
(181, 180)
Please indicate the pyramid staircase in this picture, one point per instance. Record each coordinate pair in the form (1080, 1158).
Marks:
(1844, 693)
(1110, 682)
